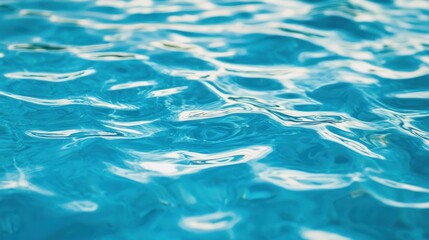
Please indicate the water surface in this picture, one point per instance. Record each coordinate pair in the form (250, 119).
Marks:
(199, 119)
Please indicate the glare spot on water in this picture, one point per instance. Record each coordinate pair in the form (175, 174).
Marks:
(112, 56)
(412, 95)
(303, 181)
(134, 84)
(167, 92)
(210, 222)
(183, 162)
(309, 234)
(50, 77)
(81, 206)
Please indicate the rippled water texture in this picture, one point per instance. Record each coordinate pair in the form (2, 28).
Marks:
(199, 119)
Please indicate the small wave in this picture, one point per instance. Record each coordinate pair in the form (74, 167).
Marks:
(412, 95)
(89, 101)
(48, 47)
(401, 204)
(167, 92)
(19, 180)
(210, 222)
(66, 134)
(309, 234)
(366, 68)
(111, 56)
(135, 84)
(182, 162)
(304, 181)
(81, 206)
(51, 77)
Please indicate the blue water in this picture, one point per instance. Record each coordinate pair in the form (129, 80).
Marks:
(214, 119)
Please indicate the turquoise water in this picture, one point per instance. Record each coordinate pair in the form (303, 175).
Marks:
(199, 119)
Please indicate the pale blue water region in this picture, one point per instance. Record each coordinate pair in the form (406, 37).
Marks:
(214, 119)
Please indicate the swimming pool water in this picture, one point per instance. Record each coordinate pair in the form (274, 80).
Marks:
(214, 119)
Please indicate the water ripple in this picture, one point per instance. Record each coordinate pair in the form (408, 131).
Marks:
(111, 56)
(52, 48)
(167, 92)
(50, 77)
(90, 101)
(210, 222)
(135, 84)
(304, 181)
(265, 119)
(81, 206)
(182, 162)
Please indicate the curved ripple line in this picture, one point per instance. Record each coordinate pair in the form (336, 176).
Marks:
(19, 180)
(120, 132)
(412, 95)
(196, 50)
(309, 234)
(136, 84)
(52, 48)
(207, 114)
(398, 185)
(179, 163)
(219, 159)
(397, 194)
(195, 75)
(399, 204)
(166, 92)
(303, 181)
(217, 221)
(51, 77)
(87, 101)
(138, 129)
(347, 142)
(66, 134)
(129, 124)
(367, 68)
(81, 206)
(111, 56)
